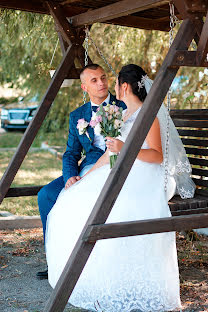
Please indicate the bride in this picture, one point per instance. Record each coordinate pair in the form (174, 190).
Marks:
(137, 273)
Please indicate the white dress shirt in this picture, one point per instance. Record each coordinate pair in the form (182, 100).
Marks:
(99, 139)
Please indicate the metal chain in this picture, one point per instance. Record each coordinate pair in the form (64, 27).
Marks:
(103, 57)
(173, 20)
(86, 46)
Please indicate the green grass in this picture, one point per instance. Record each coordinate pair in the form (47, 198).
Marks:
(38, 168)
(12, 139)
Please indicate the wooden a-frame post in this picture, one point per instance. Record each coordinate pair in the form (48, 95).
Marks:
(95, 223)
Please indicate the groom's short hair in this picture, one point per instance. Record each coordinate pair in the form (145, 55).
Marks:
(89, 66)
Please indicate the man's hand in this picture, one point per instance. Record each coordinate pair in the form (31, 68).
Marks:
(71, 181)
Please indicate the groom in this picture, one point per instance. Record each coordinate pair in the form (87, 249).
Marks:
(94, 82)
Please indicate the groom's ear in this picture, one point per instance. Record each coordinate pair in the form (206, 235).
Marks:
(83, 86)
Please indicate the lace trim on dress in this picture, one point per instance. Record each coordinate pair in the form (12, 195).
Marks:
(186, 193)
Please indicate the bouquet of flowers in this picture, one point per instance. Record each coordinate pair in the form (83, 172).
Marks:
(108, 121)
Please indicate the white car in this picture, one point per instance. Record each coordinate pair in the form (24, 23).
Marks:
(17, 118)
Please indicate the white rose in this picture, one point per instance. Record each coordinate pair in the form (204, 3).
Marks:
(97, 129)
(94, 117)
(81, 131)
(85, 124)
(117, 123)
(107, 108)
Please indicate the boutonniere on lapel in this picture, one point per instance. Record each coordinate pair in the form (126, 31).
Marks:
(82, 127)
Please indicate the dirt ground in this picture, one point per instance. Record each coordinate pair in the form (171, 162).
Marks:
(22, 256)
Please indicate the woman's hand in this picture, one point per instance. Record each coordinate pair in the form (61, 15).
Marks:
(114, 145)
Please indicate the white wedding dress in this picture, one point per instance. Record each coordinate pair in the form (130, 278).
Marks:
(137, 273)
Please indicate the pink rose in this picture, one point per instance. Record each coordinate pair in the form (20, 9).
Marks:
(93, 123)
(80, 121)
(99, 118)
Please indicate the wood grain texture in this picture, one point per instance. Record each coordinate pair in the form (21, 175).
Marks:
(115, 10)
(133, 228)
(23, 191)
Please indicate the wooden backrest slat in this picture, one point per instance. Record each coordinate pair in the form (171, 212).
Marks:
(197, 114)
(198, 161)
(200, 172)
(196, 151)
(200, 182)
(193, 133)
(195, 142)
(202, 192)
(191, 123)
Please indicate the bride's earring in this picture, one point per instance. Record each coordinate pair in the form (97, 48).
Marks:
(124, 93)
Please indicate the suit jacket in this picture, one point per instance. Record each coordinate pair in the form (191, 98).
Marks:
(76, 143)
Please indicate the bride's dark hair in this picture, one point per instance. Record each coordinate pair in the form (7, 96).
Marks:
(132, 74)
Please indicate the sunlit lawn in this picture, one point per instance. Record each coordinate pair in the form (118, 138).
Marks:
(38, 168)
(12, 138)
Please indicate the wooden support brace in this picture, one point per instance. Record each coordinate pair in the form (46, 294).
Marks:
(123, 229)
(187, 58)
(196, 18)
(140, 22)
(36, 123)
(202, 50)
(112, 11)
(23, 191)
(68, 34)
(117, 177)
(196, 6)
(63, 25)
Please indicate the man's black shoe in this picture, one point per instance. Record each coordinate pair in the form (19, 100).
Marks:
(42, 274)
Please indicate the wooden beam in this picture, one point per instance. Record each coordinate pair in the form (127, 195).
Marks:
(23, 191)
(63, 25)
(184, 113)
(20, 222)
(196, 6)
(141, 22)
(120, 171)
(195, 17)
(123, 229)
(187, 58)
(71, 1)
(29, 6)
(68, 33)
(202, 50)
(36, 122)
(115, 10)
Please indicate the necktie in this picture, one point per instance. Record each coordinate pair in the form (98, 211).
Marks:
(94, 108)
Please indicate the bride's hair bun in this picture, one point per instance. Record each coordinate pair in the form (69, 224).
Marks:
(132, 74)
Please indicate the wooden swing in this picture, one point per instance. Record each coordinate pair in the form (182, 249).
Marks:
(71, 17)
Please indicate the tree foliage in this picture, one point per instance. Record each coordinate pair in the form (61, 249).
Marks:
(28, 41)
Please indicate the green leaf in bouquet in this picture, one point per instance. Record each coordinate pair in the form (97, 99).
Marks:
(110, 127)
(104, 121)
(120, 109)
(99, 113)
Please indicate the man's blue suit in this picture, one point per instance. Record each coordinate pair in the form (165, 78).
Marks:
(76, 143)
